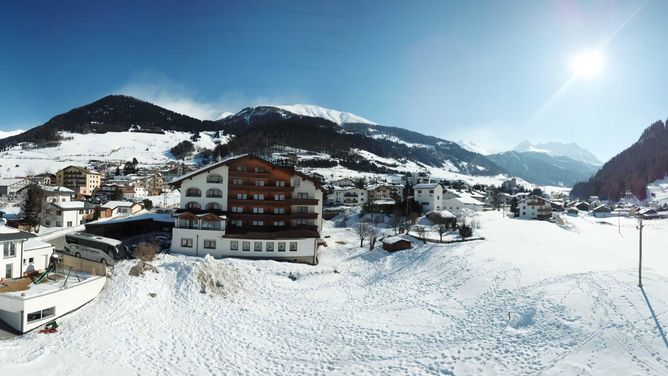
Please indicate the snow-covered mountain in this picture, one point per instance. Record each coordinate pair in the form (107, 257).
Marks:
(472, 146)
(570, 150)
(5, 134)
(334, 116)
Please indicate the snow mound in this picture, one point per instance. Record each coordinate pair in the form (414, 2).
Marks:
(218, 278)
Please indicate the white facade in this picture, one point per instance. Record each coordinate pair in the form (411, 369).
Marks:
(201, 189)
(429, 196)
(535, 207)
(21, 252)
(348, 196)
(66, 214)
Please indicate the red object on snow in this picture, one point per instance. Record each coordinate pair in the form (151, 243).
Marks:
(48, 330)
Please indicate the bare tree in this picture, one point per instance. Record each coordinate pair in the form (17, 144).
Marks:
(395, 221)
(441, 228)
(422, 232)
(412, 220)
(364, 230)
(373, 236)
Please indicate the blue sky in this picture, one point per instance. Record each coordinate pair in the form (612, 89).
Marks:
(496, 73)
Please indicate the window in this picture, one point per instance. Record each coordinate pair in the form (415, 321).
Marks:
(431, 191)
(259, 183)
(241, 168)
(10, 249)
(209, 244)
(238, 222)
(213, 206)
(302, 222)
(43, 314)
(237, 209)
(234, 245)
(302, 195)
(279, 223)
(279, 210)
(31, 260)
(257, 246)
(242, 196)
(210, 225)
(270, 247)
(302, 209)
(258, 223)
(279, 197)
(237, 182)
(245, 246)
(258, 210)
(80, 211)
(193, 205)
(214, 178)
(258, 196)
(280, 183)
(186, 243)
(259, 169)
(281, 246)
(214, 192)
(293, 246)
(193, 192)
(295, 182)
(69, 223)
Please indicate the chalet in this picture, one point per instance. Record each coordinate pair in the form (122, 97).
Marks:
(80, 179)
(118, 209)
(395, 243)
(582, 205)
(9, 187)
(247, 207)
(67, 214)
(457, 200)
(647, 213)
(347, 196)
(601, 211)
(535, 207)
(429, 196)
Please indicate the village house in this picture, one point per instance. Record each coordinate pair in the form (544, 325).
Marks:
(347, 196)
(457, 200)
(429, 196)
(386, 192)
(67, 214)
(602, 211)
(535, 207)
(9, 187)
(118, 209)
(22, 252)
(395, 243)
(49, 194)
(582, 205)
(247, 207)
(80, 179)
(44, 179)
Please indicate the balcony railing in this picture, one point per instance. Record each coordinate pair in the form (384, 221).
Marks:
(262, 188)
(272, 216)
(243, 174)
(303, 201)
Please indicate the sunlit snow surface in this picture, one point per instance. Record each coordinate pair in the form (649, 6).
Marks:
(533, 298)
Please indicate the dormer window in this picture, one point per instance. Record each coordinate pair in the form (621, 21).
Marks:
(214, 178)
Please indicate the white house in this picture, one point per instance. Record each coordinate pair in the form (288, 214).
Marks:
(9, 187)
(535, 207)
(454, 200)
(67, 214)
(250, 208)
(22, 252)
(118, 209)
(348, 196)
(429, 196)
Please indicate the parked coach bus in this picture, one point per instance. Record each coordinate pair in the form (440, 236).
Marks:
(96, 248)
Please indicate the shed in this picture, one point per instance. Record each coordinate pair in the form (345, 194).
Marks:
(395, 243)
(602, 211)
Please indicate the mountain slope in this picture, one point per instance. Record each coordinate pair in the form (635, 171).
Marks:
(334, 116)
(633, 169)
(263, 126)
(544, 169)
(570, 150)
(113, 113)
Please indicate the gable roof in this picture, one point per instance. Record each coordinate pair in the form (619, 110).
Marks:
(226, 161)
(72, 205)
(82, 169)
(425, 185)
(115, 204)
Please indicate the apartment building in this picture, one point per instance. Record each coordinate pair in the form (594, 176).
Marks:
(429, 196)
(82, 180)
(247, 207)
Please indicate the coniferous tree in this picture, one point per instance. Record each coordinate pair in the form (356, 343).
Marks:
(32, 208)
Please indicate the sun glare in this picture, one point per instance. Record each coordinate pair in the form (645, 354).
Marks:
(587, 64)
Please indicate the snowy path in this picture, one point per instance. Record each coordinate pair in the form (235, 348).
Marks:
(442, 309)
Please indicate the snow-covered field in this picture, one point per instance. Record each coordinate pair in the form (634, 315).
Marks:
(533, 298)
(658, 191)
(148, 148)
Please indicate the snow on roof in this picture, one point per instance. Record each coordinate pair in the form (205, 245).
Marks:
(602, 207)
(55, 188)
(70, 205)
(35, 243)
(393, 240)
(425, 185)
(466, 199)
(115, 204)
(10, 181)
(446, 214)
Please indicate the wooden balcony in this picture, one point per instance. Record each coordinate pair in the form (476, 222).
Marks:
(303, 201)
(258, 188)
(268, 217)
(248, 174)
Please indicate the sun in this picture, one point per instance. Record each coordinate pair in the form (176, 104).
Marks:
(588, 64)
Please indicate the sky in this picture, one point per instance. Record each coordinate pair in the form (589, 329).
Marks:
(495, 73)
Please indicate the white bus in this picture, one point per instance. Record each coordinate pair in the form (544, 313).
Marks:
(93, 247)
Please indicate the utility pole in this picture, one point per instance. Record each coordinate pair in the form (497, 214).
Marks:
(640, 226)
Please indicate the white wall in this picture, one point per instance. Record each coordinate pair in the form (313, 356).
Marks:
(199, 181)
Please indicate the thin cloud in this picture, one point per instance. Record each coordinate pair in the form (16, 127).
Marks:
(174, 96)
